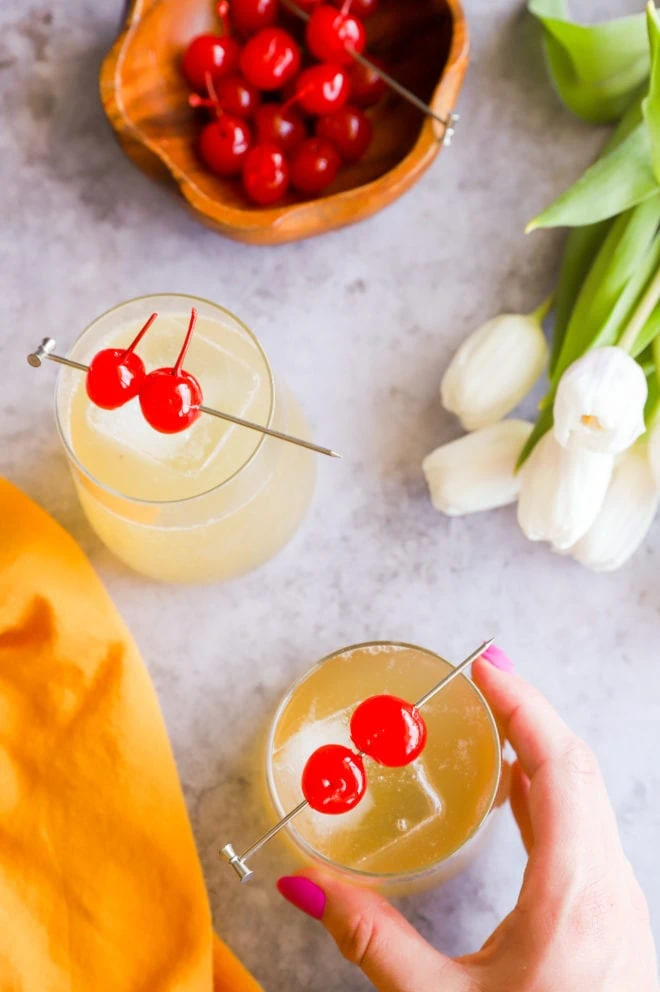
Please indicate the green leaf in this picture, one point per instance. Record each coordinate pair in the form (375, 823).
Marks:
(648, 333)
(583, 243)
(622, 257)
(652, 406)
(581, 248)
(651, 105)
(632, 117)
(595, 69)
(614, 183)
(628, 301)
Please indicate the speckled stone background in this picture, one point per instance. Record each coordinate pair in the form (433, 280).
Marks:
(361, 323)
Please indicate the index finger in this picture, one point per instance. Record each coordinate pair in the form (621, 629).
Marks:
(572, 820)
(535, 730)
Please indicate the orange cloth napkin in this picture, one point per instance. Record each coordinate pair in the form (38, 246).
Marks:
(100, 885)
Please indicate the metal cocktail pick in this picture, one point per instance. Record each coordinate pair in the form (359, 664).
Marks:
(448, 123)
(239, 862)
(45, 351)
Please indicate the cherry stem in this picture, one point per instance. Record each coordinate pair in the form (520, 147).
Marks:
(184, 348)
(210, 85)
(223, 10)
(133, 345)
(295, 97)
(211, 101)
(346, 7)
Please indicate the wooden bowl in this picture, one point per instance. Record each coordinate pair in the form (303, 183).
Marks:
(424, 42)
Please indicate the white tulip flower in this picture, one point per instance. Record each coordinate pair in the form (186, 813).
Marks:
(562, 491)
(625, 517)
(494, 369)
(600, 400)
(654, 453)
(477, 472)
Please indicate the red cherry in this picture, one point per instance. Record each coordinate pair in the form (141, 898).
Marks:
(362, 8)
(350, 131)
(308, 5)
(250, 16)
(237, 96)
(270, 59)
(279, 125)
(314, 165)
(116, 375)
(333, 780)
(223, 145)
(233, 94)
(322, 88)
(265, 174)
(367, 87)
(332, 34)
(209, 53)
(170, 398)
(388, 729)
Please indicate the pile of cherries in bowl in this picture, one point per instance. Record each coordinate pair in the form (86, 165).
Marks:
(277, 123)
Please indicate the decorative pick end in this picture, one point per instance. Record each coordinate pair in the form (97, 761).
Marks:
(238, 864)
(36, 358)
(450, 129)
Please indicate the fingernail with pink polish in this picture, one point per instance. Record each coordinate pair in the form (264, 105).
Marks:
(303, 894)
(498, 658)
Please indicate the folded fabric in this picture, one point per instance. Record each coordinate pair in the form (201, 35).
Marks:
(100, 884)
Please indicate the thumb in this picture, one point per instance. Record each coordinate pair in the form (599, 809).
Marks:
(370, 933)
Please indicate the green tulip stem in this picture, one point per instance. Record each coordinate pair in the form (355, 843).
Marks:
(641, 314)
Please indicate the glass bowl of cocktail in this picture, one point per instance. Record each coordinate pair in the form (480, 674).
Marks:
(384, 763)
(204, 499)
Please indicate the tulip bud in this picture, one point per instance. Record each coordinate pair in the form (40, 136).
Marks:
(494, 369)
(625, 517)
(562, 491)
(477, 472)
(600, 400)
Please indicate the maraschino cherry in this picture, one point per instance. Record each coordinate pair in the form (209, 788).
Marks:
(350, 131)
(224, 144)
(116, 375)
(237, 96)
(388, 729)
(367, 87)
(321, 89)
(363, 8)
(250, 16)
(270, 59)
(278, 124)
(210, 53)
(332, 34)
(265, 174)
(314, 165)
(333, 780)
(171, 398)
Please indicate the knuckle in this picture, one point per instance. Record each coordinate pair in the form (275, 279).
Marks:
(579, 761)
(358, 939)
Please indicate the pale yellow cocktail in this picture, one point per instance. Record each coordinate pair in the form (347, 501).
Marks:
(213, 501)
(419, 823)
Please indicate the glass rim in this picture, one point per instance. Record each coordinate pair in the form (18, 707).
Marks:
(416, 874)
(205, 492)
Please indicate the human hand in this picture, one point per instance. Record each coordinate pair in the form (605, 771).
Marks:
(581, 922)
